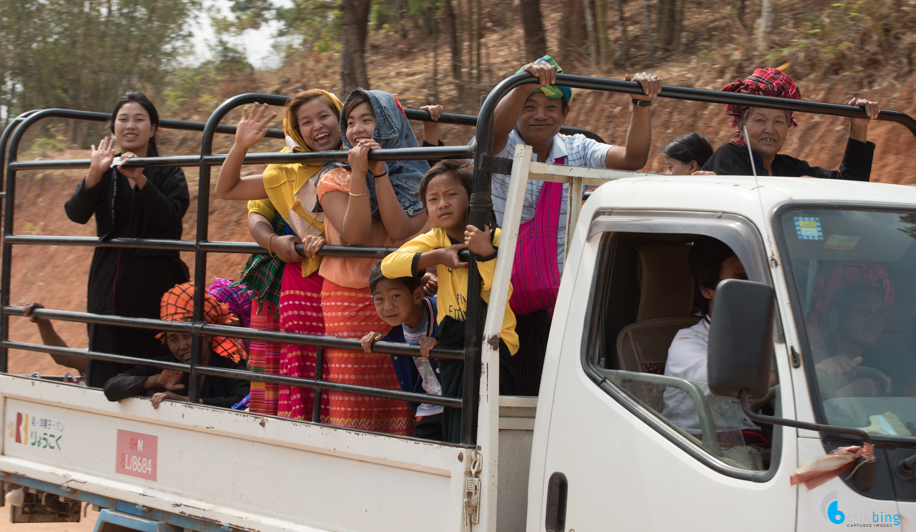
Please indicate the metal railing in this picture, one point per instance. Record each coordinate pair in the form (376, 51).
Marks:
(10, 143)
(484, 164)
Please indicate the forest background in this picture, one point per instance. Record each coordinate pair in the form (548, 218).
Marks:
(85, 54)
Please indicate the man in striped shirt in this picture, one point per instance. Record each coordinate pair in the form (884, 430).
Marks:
(533, 114)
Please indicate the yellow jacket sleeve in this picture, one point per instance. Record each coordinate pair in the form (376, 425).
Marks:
(488, 269)
(401, 263)
(263, 207)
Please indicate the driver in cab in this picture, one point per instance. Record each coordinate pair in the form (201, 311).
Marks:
(846, 335)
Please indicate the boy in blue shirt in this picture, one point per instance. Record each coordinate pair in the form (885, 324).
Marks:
(400, 304)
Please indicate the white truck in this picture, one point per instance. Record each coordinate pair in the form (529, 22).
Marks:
(594, 450)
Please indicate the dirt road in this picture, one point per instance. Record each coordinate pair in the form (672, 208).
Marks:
(87, 524)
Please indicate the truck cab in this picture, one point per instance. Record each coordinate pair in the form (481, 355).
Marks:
(602, 429)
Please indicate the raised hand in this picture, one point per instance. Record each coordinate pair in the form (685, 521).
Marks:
(449, 256)
(312, 244)
(431, 129)
(169, 379)
(166, 396)
(435, 111)
(285, 248)
(650, 84)
(478, 241)
(100, 161)
(135, 174)
(28, 308)
(252, 127)
(359, 155)
(544, 71)
(429, 284)
(369, 339)
(427, 344)
(858, 127)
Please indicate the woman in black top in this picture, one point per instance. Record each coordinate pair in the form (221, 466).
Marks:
(767, 130)
(129, 203)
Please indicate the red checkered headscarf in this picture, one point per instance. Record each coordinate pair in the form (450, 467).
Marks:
(839, 275)
(763, 82)
(178, 305)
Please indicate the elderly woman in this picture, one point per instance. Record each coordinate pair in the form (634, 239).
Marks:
(767, 130)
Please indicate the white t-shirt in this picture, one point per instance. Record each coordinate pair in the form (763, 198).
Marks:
(687, 359)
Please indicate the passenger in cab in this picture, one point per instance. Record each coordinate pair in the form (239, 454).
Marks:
(844, 329)
(533, 114)
(446, 191)
(216, 352)
(367, 203)
(686, 154)
(283, 211)
(710, 262)
(767, 130)
(146, 203)
(400, 303)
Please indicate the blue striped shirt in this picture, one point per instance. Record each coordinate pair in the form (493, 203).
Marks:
(579, 150)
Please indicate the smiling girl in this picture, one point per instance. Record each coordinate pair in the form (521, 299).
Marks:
(446, 191)
(368, 203)
(311, 124)
(129, 203)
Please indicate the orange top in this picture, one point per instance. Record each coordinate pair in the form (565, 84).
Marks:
(352, 273)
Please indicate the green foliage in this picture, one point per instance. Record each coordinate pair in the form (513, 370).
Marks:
(314, 25)
(844, 36)
(84, 54)
(45, 146)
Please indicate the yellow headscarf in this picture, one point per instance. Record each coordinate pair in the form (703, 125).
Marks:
(283, 181)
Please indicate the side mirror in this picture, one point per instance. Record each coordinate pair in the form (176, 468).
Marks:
(741, 339)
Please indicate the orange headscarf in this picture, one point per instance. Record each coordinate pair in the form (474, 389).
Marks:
(178, 305)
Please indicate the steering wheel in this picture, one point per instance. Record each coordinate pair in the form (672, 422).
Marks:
(849, 388)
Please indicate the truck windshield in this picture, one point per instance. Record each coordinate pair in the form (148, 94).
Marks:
(855, 273)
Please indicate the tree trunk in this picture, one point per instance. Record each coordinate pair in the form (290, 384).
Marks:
(601, 29)
(435, 92)
(738, 10)
(764, 25)
(666, 23)
(588, 11)
(451, 33)
(352, 54)
(622, 57)
(650, 36)
(535, 37)
(478, 37)
(572, 35)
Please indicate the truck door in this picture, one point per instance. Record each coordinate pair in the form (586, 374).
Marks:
(618, 447)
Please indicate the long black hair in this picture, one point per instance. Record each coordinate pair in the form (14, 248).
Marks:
(139, 98)
(689, 147)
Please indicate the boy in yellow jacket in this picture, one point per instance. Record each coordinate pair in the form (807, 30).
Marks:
(446, 190)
